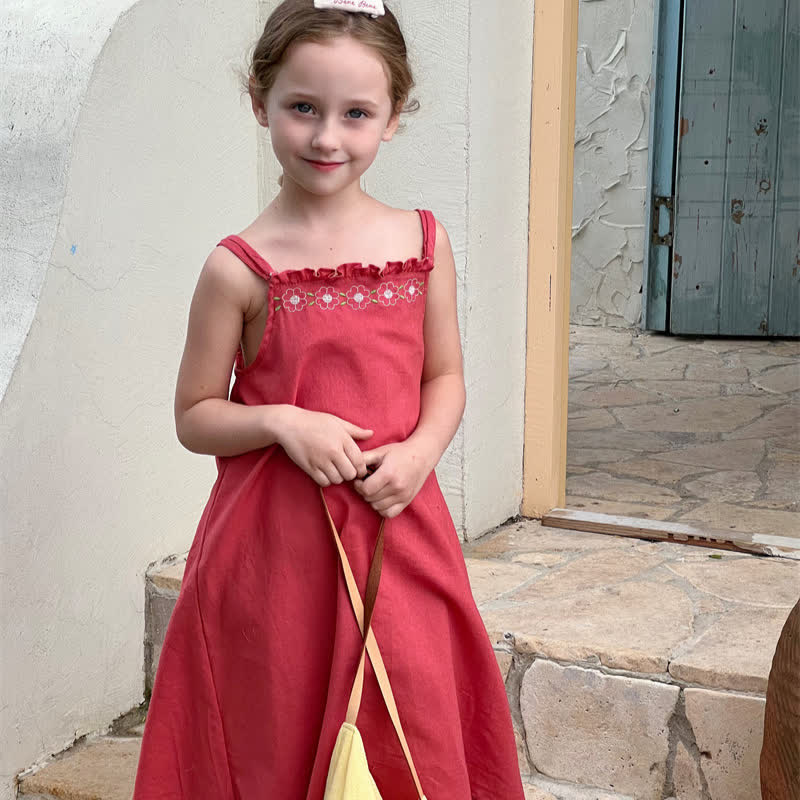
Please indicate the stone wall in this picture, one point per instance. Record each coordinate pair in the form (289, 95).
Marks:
(611, 150)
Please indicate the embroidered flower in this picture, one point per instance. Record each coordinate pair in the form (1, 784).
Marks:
(294, 300)
(413, 289)
(358, 297)
(327, 298)
(388, 294)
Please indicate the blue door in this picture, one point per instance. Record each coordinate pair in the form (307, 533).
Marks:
(725, 243)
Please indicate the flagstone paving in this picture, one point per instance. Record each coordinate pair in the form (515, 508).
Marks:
(703, 431)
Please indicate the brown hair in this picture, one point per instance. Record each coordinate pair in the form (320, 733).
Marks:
(299, 21)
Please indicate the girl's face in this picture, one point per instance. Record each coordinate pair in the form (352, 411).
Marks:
(328, 112)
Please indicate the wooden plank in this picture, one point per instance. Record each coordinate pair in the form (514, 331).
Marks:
(552, 143)
(784, 313)
(751, 168)
(661, 161)
(656, 530)
(702, 151)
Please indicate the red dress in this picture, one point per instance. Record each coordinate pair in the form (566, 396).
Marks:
(262, 647)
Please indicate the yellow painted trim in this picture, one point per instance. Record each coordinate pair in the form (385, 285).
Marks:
(555, 44)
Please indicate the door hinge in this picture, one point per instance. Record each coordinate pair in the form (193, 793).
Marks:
(659, 202)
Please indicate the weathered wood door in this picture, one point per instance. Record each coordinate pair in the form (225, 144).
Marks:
(735, 250)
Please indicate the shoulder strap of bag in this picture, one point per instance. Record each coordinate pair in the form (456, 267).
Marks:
(364, 619)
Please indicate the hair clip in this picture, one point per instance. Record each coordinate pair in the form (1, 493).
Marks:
(372, 7)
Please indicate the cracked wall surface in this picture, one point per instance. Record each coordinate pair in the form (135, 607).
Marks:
(615, 39)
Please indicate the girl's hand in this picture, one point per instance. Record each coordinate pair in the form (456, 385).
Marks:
(323, 445)
(402, 469)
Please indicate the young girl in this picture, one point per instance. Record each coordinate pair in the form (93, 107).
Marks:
(338, 314)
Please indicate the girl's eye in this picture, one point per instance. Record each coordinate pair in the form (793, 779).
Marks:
(303, 108)
(356, 113)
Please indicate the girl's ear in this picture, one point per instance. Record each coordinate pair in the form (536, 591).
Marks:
(257, 100)
(391, 127)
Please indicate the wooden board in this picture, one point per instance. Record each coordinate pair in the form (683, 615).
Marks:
(555, 37)
(784, 314)
(655, 530)
(661, 163)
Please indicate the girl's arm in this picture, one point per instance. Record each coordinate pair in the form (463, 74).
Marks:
(207, 422)
(404, 466)
(442, 394)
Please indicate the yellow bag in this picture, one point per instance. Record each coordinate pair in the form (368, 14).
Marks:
(348, 776)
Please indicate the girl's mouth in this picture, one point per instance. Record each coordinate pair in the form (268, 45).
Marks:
(325, 166)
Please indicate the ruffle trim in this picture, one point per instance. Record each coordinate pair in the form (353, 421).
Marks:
(352, 270)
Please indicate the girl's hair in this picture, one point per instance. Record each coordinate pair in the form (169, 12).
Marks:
(299, 21)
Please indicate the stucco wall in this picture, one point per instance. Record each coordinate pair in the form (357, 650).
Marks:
(446, 159)
(611, 141)
(45, 62)
(138, 159)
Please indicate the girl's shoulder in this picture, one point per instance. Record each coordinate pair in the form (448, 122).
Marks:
(416, 225)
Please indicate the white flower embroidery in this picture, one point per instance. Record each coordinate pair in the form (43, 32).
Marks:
(358, 297)
(388, 294)
(294, 300)
(327, 298)
(413, 289)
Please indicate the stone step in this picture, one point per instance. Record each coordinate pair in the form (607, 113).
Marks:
(103, 768)
(633, 669)
(636, 668)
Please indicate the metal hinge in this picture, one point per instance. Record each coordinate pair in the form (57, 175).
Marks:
(660, 202)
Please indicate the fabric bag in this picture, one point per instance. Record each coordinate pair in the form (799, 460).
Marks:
(349, 777)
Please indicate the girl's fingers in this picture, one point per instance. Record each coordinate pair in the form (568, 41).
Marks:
(382, 495)
(356, 458)
(344, 467)
(390, 509)
(374, 458)
(374, 486)
(320, 478)
(332, 473)
(356, 432)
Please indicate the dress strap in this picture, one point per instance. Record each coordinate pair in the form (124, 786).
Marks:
(246, 254)
(428, 233)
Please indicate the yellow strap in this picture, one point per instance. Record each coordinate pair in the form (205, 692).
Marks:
(374, 656)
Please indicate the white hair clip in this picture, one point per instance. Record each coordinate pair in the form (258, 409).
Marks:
(372, 7)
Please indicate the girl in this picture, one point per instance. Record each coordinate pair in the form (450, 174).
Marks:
(338, 314)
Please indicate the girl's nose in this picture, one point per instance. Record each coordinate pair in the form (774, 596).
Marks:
(325, 137)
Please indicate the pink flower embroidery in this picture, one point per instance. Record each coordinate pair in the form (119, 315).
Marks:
(413, 289)
(327, 298)
(358, 297)
(388, 294)
(294, 300)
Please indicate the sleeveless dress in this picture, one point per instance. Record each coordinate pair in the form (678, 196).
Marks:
(262, 646)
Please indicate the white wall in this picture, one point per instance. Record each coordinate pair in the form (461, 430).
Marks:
(465, 155)
(134, 158)
(615, 39)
